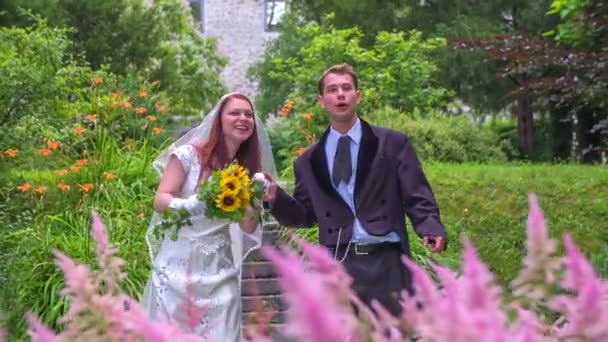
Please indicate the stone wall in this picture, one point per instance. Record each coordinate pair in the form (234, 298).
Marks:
(239, 27)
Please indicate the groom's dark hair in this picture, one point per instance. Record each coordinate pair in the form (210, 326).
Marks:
(340, 69)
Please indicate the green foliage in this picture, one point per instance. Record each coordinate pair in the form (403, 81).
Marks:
(158, 41)
(396, 71)
(37, 78)
(96, 156)
(440, 137)
(571, 30)
(486, 203)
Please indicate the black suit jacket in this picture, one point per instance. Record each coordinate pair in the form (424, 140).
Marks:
(389, 184)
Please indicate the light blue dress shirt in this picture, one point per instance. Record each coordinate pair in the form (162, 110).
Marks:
(346, 191)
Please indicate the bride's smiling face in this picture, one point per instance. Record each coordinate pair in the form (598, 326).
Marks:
(237, 120)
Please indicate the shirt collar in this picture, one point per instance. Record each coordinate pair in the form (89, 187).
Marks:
(354, 133)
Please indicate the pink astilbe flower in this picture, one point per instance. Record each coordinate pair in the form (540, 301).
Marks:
(526, 328)
(540, 265)
(192, 313)
(98, 310)
(111, 274)
(586, 308)
(315, 313)
(38, 331)
(466, 308)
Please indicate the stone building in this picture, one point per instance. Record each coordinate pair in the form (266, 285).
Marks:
(242, 27)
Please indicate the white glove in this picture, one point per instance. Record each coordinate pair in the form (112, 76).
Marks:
(260, 177)
(192, 204)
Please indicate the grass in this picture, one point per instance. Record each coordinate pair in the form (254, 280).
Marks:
(488, 204)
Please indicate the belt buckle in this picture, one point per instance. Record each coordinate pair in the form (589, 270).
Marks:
(360, 252)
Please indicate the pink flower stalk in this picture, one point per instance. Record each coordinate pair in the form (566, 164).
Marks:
(192, 313)
(586, 309)
(99, 311)
(540, 265)
(38, 331)
(466, 308)
(314, 313)
(526, 328)
(111, 274)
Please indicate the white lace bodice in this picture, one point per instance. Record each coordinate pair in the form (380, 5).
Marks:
(187, 155)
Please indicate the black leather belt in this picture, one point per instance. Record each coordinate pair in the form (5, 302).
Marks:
(365, 248)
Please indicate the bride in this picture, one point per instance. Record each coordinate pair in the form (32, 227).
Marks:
(195, 280)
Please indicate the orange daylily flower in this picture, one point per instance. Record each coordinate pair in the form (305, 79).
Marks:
(25, 187)
(87, 187)
(91, 117)
(75, 168)
(157, 130)
(79, 130)
(44, 151)
(114, 94)
(41, 190)
(11, 152)
(140, 110)
(152, 117)
(81, 162)
(61, 172)
(108, 175)
(160, 107)
(63, 187)
(127, 104)
(143, 93)
(299, 151)
(140, 216)
(52, 144)
(307, 116)
(96, 80)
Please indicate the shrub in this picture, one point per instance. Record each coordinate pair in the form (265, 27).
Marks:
(440, 137)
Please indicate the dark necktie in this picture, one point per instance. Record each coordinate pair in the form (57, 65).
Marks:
(342, 163)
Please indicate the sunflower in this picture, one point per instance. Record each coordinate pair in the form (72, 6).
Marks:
(234, 170)
(230, 184)
(228, 201)
(245, 195)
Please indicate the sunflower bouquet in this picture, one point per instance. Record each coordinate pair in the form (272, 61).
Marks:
(226, 194)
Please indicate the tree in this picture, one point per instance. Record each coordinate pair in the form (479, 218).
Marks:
(570, 70)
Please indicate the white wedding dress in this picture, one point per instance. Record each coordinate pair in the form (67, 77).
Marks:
(199, 268)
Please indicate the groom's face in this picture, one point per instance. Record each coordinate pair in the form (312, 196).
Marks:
(340, 98)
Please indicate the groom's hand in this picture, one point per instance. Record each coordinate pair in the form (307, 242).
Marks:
(271, 194)
(435, 243)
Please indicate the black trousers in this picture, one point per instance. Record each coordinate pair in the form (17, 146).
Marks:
(377, 272)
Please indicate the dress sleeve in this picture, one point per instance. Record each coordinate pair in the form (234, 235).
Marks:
(186, 155)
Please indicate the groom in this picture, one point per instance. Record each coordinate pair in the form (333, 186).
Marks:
(358, 183)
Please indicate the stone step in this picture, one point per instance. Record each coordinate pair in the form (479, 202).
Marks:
(265, 303)
(271, 237)
(276, 317)
(258, 270)
(260, 287)
(273, 331)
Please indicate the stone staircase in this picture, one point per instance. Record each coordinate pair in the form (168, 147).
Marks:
(260, 291)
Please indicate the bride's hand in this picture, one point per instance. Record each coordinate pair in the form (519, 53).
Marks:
(250, 220)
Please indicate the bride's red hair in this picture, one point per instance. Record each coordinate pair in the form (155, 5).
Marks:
(213, 154)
